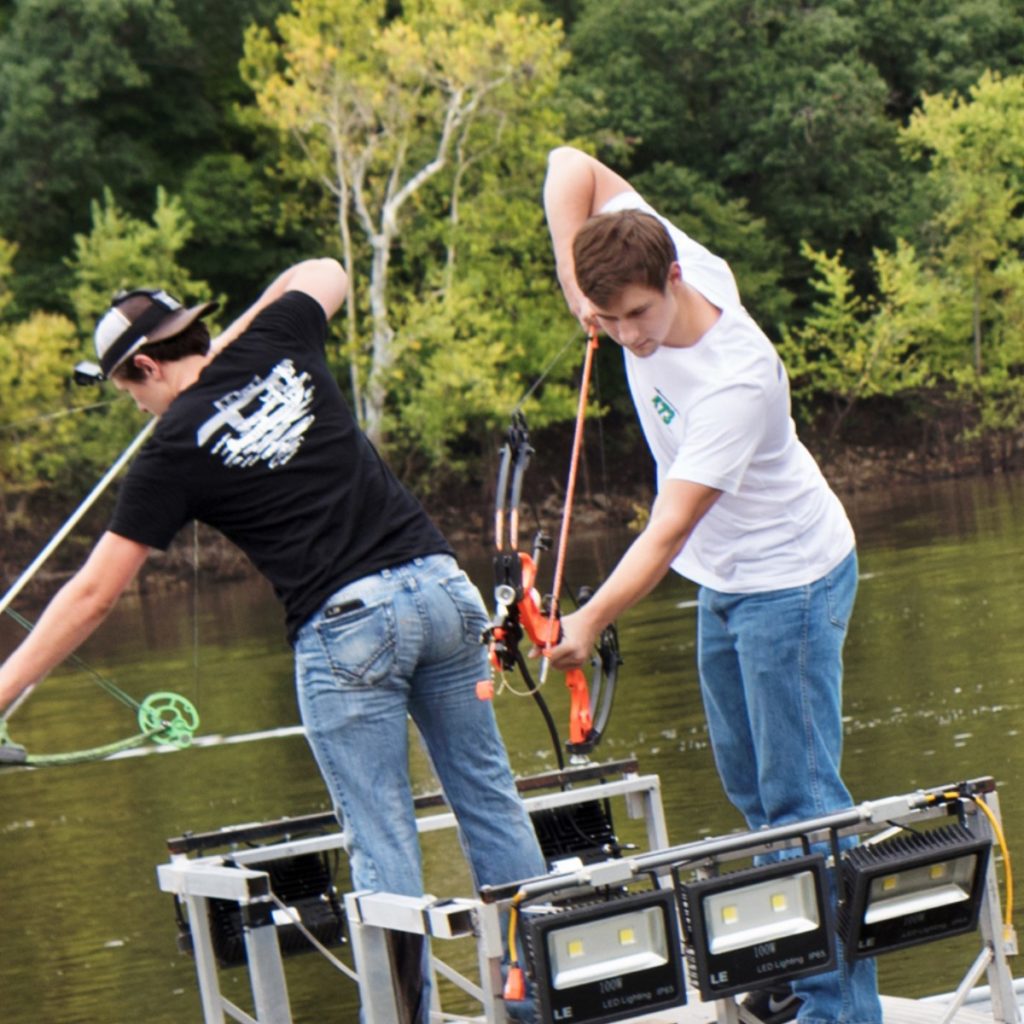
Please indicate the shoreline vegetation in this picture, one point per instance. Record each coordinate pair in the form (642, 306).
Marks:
(858, 166)
(465, 516)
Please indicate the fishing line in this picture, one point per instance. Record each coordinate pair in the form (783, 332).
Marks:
(196, 677)
(112, 688)
(47, 417)
(163, 717)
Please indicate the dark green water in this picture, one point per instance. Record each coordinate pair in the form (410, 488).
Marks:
(935, 669)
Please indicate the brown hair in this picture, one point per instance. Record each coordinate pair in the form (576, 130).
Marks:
(614, 250)
(193, 341)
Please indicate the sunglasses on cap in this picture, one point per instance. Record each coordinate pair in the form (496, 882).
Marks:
(135, 318)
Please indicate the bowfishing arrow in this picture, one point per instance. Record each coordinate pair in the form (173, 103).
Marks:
(521, 612)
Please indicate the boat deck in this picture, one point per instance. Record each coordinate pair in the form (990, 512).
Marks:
(894, 1011)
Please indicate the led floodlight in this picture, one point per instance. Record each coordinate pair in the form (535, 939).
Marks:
(582, 830)
(606, 961)
(914, 888)
(753, 927)
(304, 884)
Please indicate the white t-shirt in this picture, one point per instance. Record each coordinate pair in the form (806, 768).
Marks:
(718, 413)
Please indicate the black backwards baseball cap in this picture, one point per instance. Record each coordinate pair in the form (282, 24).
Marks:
(136, 318)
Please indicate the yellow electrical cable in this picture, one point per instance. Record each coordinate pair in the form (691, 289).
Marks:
(1007, 867)
(1005, 850)
(513, 920)
(515, 982)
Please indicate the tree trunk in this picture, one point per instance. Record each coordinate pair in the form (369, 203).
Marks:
(382, 345)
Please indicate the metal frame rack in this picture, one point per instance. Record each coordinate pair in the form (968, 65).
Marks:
(196, 876)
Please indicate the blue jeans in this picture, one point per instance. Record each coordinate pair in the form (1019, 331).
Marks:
(411, 649)
(771, 668)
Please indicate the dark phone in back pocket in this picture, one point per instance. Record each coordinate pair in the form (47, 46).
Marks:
(340, 609)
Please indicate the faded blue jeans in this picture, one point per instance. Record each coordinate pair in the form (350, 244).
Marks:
(771, 667)
(411, 648)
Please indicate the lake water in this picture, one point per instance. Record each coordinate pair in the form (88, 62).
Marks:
(935, 670)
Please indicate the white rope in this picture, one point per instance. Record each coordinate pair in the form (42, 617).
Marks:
(328, 955)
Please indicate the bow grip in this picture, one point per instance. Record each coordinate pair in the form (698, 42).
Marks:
(581, 724)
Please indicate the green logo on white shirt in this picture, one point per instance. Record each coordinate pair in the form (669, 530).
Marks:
(663, 407)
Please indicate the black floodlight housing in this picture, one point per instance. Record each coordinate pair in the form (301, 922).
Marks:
(756, 926)
(304, 884)
(914, 888)
(606, 961)
(579, 830)
(88, 373)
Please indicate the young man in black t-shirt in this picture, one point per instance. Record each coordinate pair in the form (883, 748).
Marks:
(255, 439)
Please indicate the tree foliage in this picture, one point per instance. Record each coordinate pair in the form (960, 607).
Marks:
(123, 94)
(951, 308)
(774, 101)
(377, 109)
(35, 430)
(122, 252)
(974, 148)
(858, 163)
(851, 347)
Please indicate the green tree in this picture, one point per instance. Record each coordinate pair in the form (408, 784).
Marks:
(950, 309)
(793, 106)
(126, 94)
(939, 46)
(773, 101)
(122, 252)
(376, 110)
(850, 347)
(974, 147)
(37, 423)
(239, 240)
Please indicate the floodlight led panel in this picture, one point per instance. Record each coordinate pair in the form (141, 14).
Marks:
(750, 928)
(775, 908)
(607, 961)
(917, 888)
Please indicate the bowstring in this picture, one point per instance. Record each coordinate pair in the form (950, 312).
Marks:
(526, 396)
(570, 487)
(544, 374)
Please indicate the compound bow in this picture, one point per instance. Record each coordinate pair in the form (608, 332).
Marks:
(520, 611)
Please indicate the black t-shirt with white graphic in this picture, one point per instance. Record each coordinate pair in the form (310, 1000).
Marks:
(264, 448)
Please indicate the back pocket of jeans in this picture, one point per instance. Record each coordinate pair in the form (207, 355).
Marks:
(469, 604)
(359, 645)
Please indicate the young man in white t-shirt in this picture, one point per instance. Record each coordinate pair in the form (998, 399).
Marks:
(742, 510)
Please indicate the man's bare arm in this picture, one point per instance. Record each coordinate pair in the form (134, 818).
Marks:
(324, 279)
(679, 507)
(576, 187)
(73, 614)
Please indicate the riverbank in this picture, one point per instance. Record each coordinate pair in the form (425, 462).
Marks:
(465, 515)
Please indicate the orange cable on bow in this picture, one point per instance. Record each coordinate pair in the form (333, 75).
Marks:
(570, 486)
